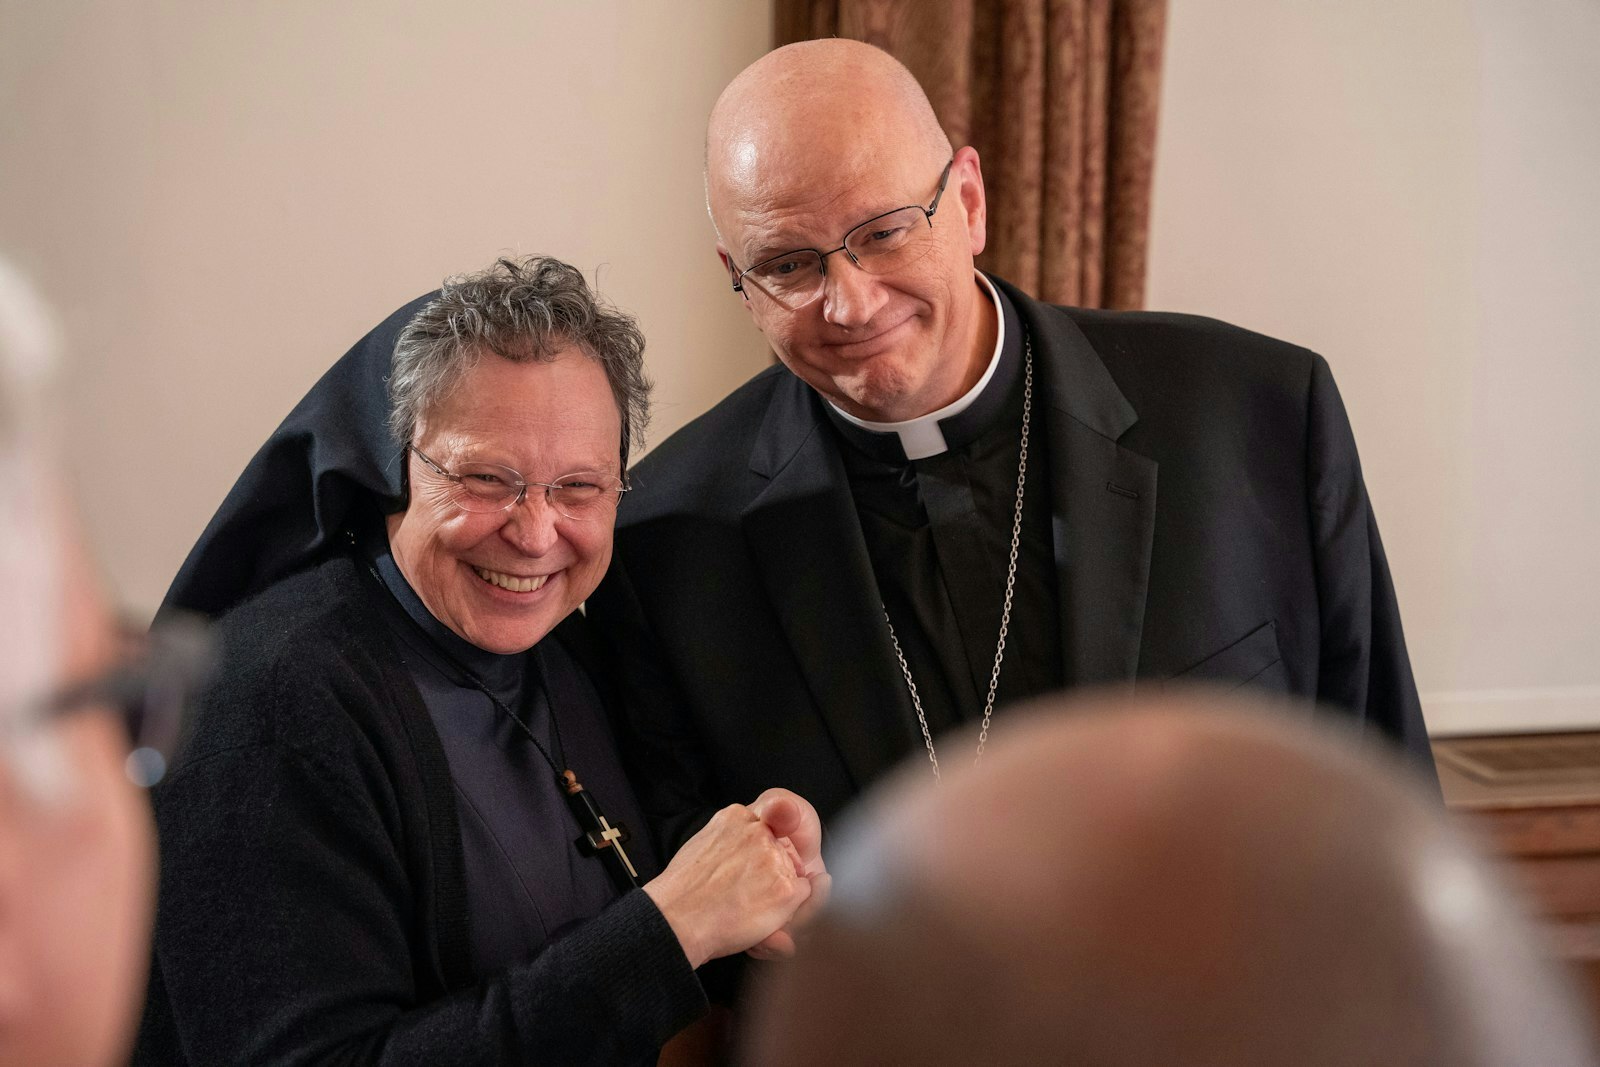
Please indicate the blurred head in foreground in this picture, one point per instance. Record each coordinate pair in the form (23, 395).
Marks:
(1175, 881)
(76, 844)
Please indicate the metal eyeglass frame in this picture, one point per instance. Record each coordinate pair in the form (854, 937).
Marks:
(522, 484)
(822, 257)
(152, 691)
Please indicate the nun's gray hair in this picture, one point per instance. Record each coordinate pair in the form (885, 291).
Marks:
(524, 310)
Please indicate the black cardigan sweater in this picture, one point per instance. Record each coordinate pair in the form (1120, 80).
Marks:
(312, 903)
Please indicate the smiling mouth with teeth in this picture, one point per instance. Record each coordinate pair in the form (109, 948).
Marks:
(510, 582)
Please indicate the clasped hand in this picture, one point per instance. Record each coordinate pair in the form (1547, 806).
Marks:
(746, 881)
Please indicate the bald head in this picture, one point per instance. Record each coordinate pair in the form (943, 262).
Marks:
(836, 100)
(807, 146)
(1172, 883)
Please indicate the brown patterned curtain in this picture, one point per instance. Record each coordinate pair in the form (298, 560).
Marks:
(1059, 98)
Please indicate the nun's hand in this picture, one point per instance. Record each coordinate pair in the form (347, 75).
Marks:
(730, 887)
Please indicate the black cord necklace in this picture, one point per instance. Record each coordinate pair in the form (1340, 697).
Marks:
(599, 836)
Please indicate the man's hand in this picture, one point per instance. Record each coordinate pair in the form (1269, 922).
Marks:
(791, 818)
(730, 886)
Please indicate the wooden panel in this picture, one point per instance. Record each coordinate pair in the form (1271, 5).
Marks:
(1523, 771)
(1555, 831)
(1526, 758)
(1561, 887)
(1535, 799)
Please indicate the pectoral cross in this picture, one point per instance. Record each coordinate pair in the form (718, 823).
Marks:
(599, 837)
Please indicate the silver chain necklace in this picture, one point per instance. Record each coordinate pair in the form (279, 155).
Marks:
(1011, 582)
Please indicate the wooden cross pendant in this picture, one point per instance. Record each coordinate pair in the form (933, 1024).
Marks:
(599, 837)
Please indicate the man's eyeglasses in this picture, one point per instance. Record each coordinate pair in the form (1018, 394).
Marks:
(150, 688)
(488, 487)
(882, 245)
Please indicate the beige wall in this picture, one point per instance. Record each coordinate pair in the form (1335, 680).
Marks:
(222, 197)
(1409, 188)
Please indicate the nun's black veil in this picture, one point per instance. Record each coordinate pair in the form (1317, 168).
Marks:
(330, 466)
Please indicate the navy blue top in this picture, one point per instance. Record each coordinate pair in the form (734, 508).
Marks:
(526, 880)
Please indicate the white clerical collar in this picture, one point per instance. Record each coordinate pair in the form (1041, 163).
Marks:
(921, 437)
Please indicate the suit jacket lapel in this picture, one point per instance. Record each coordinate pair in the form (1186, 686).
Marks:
(1103, 501)
(806, 542)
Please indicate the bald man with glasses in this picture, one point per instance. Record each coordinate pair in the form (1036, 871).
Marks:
(950, 497)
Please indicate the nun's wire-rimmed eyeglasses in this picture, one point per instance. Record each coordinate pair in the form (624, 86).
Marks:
(150, 687)
(483, 488)
(883, 244)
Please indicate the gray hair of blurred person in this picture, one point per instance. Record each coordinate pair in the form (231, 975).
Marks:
(30, 538)
(524, 310)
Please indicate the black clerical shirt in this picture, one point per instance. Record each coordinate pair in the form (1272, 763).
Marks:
(526, 881)
(938, 533)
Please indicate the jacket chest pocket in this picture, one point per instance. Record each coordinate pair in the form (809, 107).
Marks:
(1245, 660)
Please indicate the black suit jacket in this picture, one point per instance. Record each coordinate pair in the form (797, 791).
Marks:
(1209, 522)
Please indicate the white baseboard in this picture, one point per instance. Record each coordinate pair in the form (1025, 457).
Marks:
(1512, 711)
